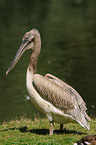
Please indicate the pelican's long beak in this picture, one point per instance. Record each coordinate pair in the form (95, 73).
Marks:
(18, 55)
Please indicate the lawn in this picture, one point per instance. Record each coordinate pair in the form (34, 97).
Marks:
(24, 131)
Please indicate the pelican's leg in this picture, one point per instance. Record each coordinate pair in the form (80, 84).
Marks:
(51, 128)
(61, 127)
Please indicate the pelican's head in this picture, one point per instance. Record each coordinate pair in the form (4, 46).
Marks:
(28, 42)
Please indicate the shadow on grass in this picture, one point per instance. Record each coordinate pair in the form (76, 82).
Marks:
(46, 131)
(43, 131)
(36, 131)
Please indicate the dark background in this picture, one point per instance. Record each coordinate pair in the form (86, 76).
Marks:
(68, 33)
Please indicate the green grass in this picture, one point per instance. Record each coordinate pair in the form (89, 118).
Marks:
(27, 132)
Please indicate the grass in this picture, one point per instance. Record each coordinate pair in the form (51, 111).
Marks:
(27, 132)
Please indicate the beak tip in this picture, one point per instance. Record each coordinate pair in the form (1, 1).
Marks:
(6, 72)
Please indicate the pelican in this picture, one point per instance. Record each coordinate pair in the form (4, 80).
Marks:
(53, 97)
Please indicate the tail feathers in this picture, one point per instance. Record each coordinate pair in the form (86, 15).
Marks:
(81, 117)
(86, 116)
(83, 121)
(83, 109)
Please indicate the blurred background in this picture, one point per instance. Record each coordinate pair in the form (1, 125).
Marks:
(68, 33)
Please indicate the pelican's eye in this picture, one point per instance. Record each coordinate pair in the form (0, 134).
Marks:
(26, 39)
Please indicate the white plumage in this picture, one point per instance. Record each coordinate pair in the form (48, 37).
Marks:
(53, 97)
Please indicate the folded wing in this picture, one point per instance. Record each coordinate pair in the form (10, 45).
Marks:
(62, 96)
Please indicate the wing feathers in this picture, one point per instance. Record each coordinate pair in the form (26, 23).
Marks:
(64, 98)
(72, 92)
(53, 93)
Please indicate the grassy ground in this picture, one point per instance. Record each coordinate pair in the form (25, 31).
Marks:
(27, 132)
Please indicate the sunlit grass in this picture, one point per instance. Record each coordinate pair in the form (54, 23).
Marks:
(26, 132)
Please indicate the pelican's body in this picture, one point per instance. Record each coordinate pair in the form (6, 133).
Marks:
(44, 106)
(53, 97)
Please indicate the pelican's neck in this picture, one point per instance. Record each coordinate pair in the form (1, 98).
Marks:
(33, 64)
(32, 67)
(35, 53)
